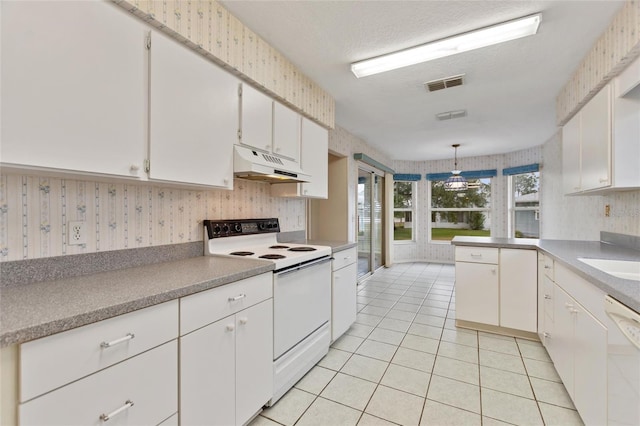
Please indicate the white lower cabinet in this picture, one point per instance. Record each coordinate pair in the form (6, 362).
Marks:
(140, 391)
(496, 286)
(343, 292)
(226, 366)
(477, 293)
(576, 341)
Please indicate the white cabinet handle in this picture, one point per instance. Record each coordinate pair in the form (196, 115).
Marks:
(231, 327)
(573, 311)
(476, 254)
(225, 181)
(129, 336)
(244, 320)
(547, 267)
(568, 305)
(105, 417)
(134, 169)
(547, 335)
(347, 258)
(238, 297)
(493, 271)
(546, 296)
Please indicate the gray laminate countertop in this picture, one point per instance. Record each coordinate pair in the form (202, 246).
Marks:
(336, 246)
(568, 252)
(40, 309)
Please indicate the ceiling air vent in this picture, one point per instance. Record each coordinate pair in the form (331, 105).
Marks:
(444, 83)
(449, 115)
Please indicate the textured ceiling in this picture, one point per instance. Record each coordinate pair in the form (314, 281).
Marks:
(509, 90)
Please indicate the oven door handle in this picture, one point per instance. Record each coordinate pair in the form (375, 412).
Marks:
(305, 266)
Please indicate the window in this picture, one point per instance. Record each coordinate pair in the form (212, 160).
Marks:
(524, 205)
(460, 212)
(403, 210)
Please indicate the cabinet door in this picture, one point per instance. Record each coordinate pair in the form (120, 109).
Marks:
(73, 87)
(286, 132)
(193, 113)
(343, 300)
(477, 292)
(315, 158)
(571, 155)
(518, 288)
(254, 359)
(207, 375)
(590, 379)
(596, 141)
(562, 350)
(540, 297)
(256, 119)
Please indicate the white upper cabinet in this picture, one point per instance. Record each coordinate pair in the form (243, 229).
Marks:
(600, 147)
(73, 88)
(286, 132)
(596, 141)
(626, 127)
(314, 162)
(193, 111)
(268, 126)
(256, 119)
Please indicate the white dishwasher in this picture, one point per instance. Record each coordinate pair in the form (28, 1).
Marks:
(623, 364)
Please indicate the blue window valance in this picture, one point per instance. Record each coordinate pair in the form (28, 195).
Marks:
(529, 168)
(472, 174)
(407, 177)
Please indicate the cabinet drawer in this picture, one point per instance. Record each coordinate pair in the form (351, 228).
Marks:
(344, 258)
(56, 360)
(477, 254)
(209, 306)
(149, 381)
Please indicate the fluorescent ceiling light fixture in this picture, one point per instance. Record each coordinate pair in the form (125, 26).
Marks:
(476, 39)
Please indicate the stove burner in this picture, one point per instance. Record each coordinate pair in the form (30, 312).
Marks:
(302, 249)
(272, 256)
(242, 253)
(279, 247)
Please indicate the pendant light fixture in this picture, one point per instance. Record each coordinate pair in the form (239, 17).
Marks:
(455, 182)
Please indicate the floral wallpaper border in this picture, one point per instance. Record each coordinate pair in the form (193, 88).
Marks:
(616, 48)
(209, 29)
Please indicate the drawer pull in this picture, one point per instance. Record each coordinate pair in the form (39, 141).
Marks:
(106, 417)
(230, 327)
(476, 254)
(547, 267)
(546, 296)
(129, 336)
(238, 297)
(244, 320)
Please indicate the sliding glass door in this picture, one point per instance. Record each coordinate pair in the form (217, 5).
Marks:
(370, 221)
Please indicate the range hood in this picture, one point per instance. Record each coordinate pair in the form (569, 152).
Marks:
(256, 165)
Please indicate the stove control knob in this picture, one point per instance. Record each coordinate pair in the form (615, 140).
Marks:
(237, 227)
(225, 228)
(262, 226)
(216, 229)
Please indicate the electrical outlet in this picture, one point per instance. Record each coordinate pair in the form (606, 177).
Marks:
(77, 233)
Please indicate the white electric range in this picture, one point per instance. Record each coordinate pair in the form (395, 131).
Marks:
(301, 292)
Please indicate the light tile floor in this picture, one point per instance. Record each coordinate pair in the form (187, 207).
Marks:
(405, 362)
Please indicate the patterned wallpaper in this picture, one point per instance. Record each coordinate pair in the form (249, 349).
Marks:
(421, 249)
(345, 144)
(35, 211)
(618, 46)
(581, 217)
(209, 29)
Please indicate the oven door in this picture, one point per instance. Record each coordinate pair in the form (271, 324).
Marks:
(301, 303)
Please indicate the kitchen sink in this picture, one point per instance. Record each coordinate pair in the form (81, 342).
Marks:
(627, 269)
